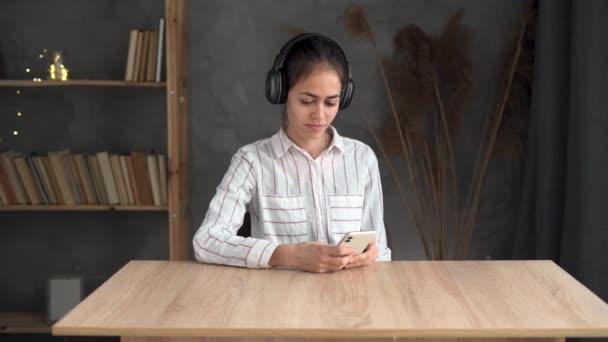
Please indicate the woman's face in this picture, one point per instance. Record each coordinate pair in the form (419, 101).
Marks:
(312, 103)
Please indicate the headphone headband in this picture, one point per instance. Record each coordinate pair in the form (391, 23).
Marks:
(279, 62)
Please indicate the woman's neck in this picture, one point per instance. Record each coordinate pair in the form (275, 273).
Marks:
(314, 147)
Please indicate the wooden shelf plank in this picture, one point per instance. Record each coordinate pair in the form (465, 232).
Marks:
(139, 208)
(47, 207)
(86, 83)
(24, 323)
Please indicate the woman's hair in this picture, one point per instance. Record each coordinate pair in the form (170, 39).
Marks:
(305, 55)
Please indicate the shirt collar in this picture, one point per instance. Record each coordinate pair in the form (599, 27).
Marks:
(281, 143)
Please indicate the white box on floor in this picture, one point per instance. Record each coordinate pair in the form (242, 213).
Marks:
(64, 293)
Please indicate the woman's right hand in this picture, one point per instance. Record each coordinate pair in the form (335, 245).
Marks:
(314, 257)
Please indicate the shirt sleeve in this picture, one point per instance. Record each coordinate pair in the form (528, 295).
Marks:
(373, 206)
(216, 241)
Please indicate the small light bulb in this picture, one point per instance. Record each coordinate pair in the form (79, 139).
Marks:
(41, 56)
(27, 69)
(18, 113)
(15, 133)
(18, 92)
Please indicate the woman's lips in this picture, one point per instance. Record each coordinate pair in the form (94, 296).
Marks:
(315, 127)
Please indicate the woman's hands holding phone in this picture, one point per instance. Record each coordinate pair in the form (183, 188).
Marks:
(318, 257)
(367, 258)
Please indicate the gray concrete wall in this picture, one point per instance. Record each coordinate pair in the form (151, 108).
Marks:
(231, 46)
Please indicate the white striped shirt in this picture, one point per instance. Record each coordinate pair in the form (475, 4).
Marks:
(292, 198)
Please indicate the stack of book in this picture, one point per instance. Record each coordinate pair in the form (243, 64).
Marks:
(145, 55)
(83, 179)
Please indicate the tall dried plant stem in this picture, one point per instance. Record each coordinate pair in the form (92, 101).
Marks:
(406, 147)
(439, 174)
(459, 253)
(492, 139)
(434, 185)
(402, 193)
(444, 124)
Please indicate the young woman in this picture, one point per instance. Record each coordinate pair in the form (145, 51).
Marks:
(306, 186)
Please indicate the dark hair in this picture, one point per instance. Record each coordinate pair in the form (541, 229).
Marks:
(305, 55)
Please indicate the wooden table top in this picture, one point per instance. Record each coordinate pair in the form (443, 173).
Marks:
(399, 298)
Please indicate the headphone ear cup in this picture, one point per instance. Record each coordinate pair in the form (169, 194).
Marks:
(272, 84)
(347, 94)
(281, 87)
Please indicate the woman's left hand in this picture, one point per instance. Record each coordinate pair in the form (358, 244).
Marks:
(366, 258)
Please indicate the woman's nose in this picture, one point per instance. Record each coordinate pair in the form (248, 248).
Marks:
(318, 111)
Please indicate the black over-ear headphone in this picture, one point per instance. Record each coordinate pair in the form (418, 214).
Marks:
(276, 79)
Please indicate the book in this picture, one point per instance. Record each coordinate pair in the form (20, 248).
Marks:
(85, 178)
(42, 170)
(78, 179)
(138, 51)
(152, 49)
(38, 179)
(136, 197)
(13, 177)
(127, 178)
(131, 55)
(154, 178)
(98, 184)
(108, 178)
(23, 169)
(142, 178)
(3, 197)
(120, 184)
(53, 179)
(72, 178)
(162, 171)
(159, 53)
(58, 166)
(144, 57)
(8, 195)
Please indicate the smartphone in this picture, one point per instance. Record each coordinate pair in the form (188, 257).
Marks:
(358, 240)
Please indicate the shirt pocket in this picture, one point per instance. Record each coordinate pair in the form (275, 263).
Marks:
(346, 212)
(284, 219)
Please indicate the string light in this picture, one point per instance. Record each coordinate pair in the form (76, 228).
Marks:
(57, 70)
(27, 69)
(18, 92)
(15, 133)
(19, 114)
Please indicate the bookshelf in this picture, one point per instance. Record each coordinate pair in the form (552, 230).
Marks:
(175, 13)
(24, 323)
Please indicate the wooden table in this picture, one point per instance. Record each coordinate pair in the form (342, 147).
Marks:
(408, 300)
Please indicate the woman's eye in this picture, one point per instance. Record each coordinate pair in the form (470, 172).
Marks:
(330, 104)
(306, 102)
